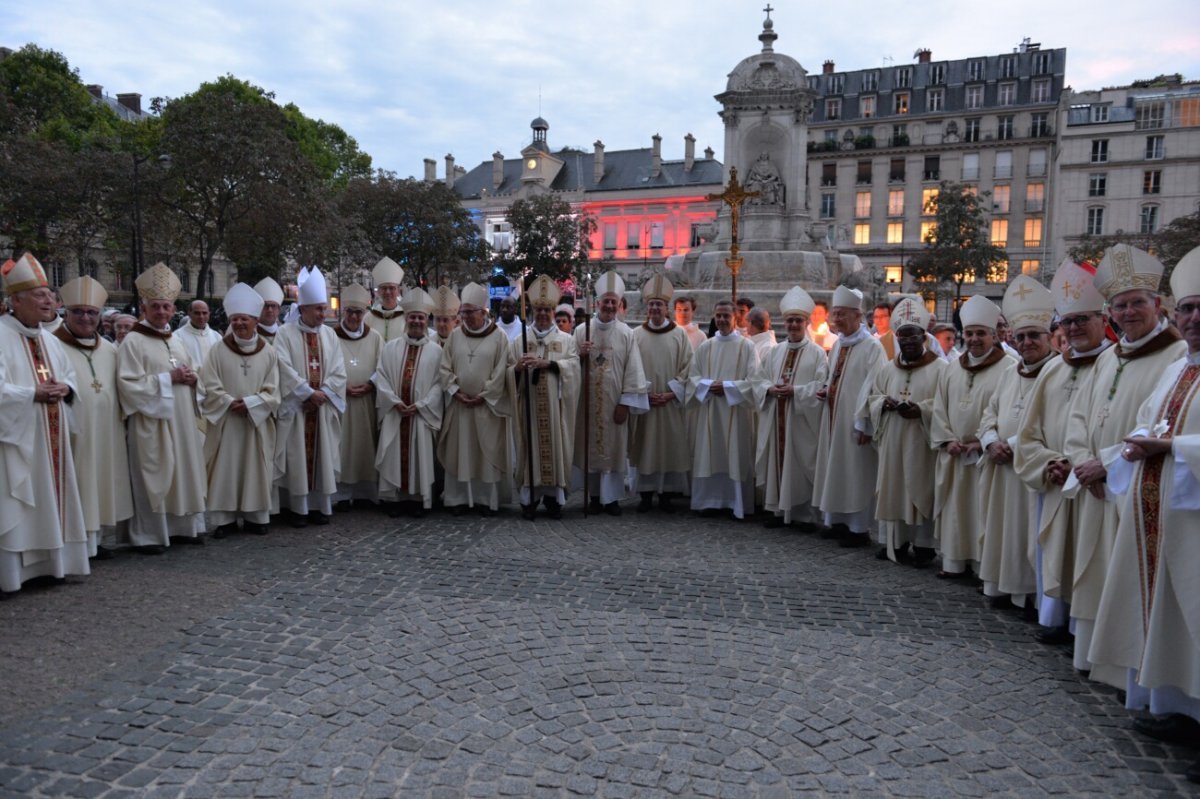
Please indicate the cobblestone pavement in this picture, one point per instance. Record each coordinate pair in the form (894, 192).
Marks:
(641, 656)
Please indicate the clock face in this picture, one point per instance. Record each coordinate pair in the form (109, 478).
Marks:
(531, 163)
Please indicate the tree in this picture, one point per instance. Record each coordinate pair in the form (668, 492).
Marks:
(1169, 243)
(44, 95)
(957, 247)
(421, 226)
(330, 149)
(549, 237)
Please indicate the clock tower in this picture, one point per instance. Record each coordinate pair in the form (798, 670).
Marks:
(540, 168)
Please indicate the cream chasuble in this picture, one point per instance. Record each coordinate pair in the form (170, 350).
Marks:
(958, 405)
(904, 482)
(695, 335)
(555, 397)
(308, 443)
(1121, 380)
(1149, 613)
(408, 376)
(615, 377)
(1009, 521)
(166, 458)
(658, 439)
(473, 446)
(42, 529)
(389, 325)
(844, 480)
(101, 456)
(787, 427)
(723, 450)
(360, 431)
(239, 451)
(1041, 440)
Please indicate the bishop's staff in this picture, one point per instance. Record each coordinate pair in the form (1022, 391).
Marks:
(587, 388)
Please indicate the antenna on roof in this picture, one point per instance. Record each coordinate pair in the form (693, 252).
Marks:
(539, 99)
(888, 60)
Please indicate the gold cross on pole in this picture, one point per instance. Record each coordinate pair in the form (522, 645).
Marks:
(733, 196)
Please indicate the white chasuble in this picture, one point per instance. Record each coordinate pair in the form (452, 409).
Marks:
(360, 431)
(408, 377)
(723, 451)
(552, 395)
(42, 529)
(658, 440)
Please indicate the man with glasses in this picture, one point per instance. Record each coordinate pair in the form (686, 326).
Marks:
(101, 460)
(1040, 460)
(476, 376)
(1149, 608)
(1123, 377)
(1009, 506)
(361, 348)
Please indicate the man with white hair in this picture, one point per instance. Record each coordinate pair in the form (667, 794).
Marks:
(42, 530)
(785, 390)
(1009, 520)
(616, 388)
(196, 335)
(445, 314)
(387, 317)
(1040, 458)
(268, 319)
(1123, 377)
(899, 409)
(1149, 607)
(964, 389)
(157, 383)
(409, 401)
(101, 457)
(844, 481)
(122, 324)
(474, 443)
(313, 386)
(361, 348)
(241, 396)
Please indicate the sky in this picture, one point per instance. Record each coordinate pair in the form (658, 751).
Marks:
(416, 80)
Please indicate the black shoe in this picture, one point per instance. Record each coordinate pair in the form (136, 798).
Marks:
(487, 512)
(394, 510)
(710, 513)
(647, 502)
(612, 509)
(1054, 635)
(150, 549)
(1173, 729)
(881, 554)
(225, 530)
(1001, 602)
(343, 505)
(773, 522)
(418, 510)
(594, 505)
(837, 531)
(103, 553)
(254, 529)
(666, 503)
(527, 512)
(807, 527)
(458, 510)
(295, 519)
(317, 518)
(187, 541)
(554, 509)
(850, 540)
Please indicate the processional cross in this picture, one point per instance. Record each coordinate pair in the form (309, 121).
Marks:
(733, 196)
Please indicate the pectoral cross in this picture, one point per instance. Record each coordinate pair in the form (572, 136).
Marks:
(965, 402)
(354, 361)
(174, 363)
(245, 364)
(1104, 414)
(43, 372)
(96, 385)
(1018, 406)
(905, 394)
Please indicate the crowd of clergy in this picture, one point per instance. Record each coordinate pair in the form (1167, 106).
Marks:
(1053, 463)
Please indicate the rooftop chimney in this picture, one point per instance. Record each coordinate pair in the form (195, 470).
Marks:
(923, 55)
(689, 152)
(450, 173)
(827, 67)
(497, 169)
(430, 170)
(598, 162)
(709, 153)
(132, 101)
(656, 157)
(96, 90)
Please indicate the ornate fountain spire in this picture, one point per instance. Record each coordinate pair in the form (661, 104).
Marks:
(768, 35)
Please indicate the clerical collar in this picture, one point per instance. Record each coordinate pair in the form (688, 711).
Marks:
(973, 361)
(87, 342)
(604, 325)
(541, 334)
(20, 327)
(475, 331)
(354, 335)
(245, 343)
(1130, 346)
(416, 342)
(300, 324)
(722, 337)
(1032, 370)
(653, 326)
(190, 326)
(144, 323)
(1104, 344)
(858, 335)
(272, 328)
(389, 311)
(795, 345)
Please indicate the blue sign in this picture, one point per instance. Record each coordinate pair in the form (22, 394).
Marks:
(499, 291)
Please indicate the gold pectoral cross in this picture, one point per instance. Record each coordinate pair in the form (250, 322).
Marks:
(96, 385)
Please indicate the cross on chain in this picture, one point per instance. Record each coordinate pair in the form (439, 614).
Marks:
(1104, 414)
(96, 385)
(245, 364)
(354, 361)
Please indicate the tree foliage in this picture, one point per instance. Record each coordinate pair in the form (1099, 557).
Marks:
(957, 247)
(549, 237)
(1169, 243)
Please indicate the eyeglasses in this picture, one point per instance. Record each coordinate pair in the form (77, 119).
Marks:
(1076, 321)
(83, 312)
(1019, 337)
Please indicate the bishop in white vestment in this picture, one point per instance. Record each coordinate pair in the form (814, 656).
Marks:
(361, 348)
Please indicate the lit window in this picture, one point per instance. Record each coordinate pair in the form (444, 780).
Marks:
(900, 103)
(867, 107)
(1031, 267)
(927, 229)
(998, 272)
(1000, 232)
(1001, 198)
(862, 203)
(895, 232)
(896, 202)
(862, 233)
(1035, 197)
(1033, 232)
(893, 273)
(929, 201)
(1152, 181)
